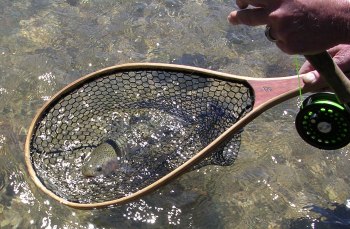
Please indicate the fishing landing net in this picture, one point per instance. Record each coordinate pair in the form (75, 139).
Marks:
(159, 117)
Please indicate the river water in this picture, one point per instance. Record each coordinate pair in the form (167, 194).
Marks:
(277, 181)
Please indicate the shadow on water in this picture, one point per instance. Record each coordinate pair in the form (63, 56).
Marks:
(335, 217)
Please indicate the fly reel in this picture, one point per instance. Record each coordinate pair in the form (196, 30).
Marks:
(323, 122)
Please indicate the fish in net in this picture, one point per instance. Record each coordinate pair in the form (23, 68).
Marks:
(118, 132)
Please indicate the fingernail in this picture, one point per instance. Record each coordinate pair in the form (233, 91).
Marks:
(309, 77)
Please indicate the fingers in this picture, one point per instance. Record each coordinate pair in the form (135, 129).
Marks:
(306, 67)
(341, 56)
(313, 78)
(251, 17)
(311, 75)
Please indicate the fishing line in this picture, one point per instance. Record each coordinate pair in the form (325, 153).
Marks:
(297, 68)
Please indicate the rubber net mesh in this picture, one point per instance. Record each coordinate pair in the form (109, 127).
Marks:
(158, 119)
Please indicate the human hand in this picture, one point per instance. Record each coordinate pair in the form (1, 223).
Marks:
(340, 55)
(298, 26)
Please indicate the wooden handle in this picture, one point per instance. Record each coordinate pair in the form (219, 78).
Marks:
(335, 78)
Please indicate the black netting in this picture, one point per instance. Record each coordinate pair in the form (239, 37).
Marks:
(159, 119)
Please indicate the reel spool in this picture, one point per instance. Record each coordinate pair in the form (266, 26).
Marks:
(323, 122)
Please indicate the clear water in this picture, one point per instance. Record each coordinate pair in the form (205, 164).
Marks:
(277, 181)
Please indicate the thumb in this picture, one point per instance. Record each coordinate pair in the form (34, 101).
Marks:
(314, 78)
(311, 77)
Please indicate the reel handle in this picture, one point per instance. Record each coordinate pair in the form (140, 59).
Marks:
(336, 79)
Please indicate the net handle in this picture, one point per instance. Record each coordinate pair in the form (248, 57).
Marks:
(330, 71)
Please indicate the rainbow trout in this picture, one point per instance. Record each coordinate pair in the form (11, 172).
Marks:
(144, 144)
(104, 159)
